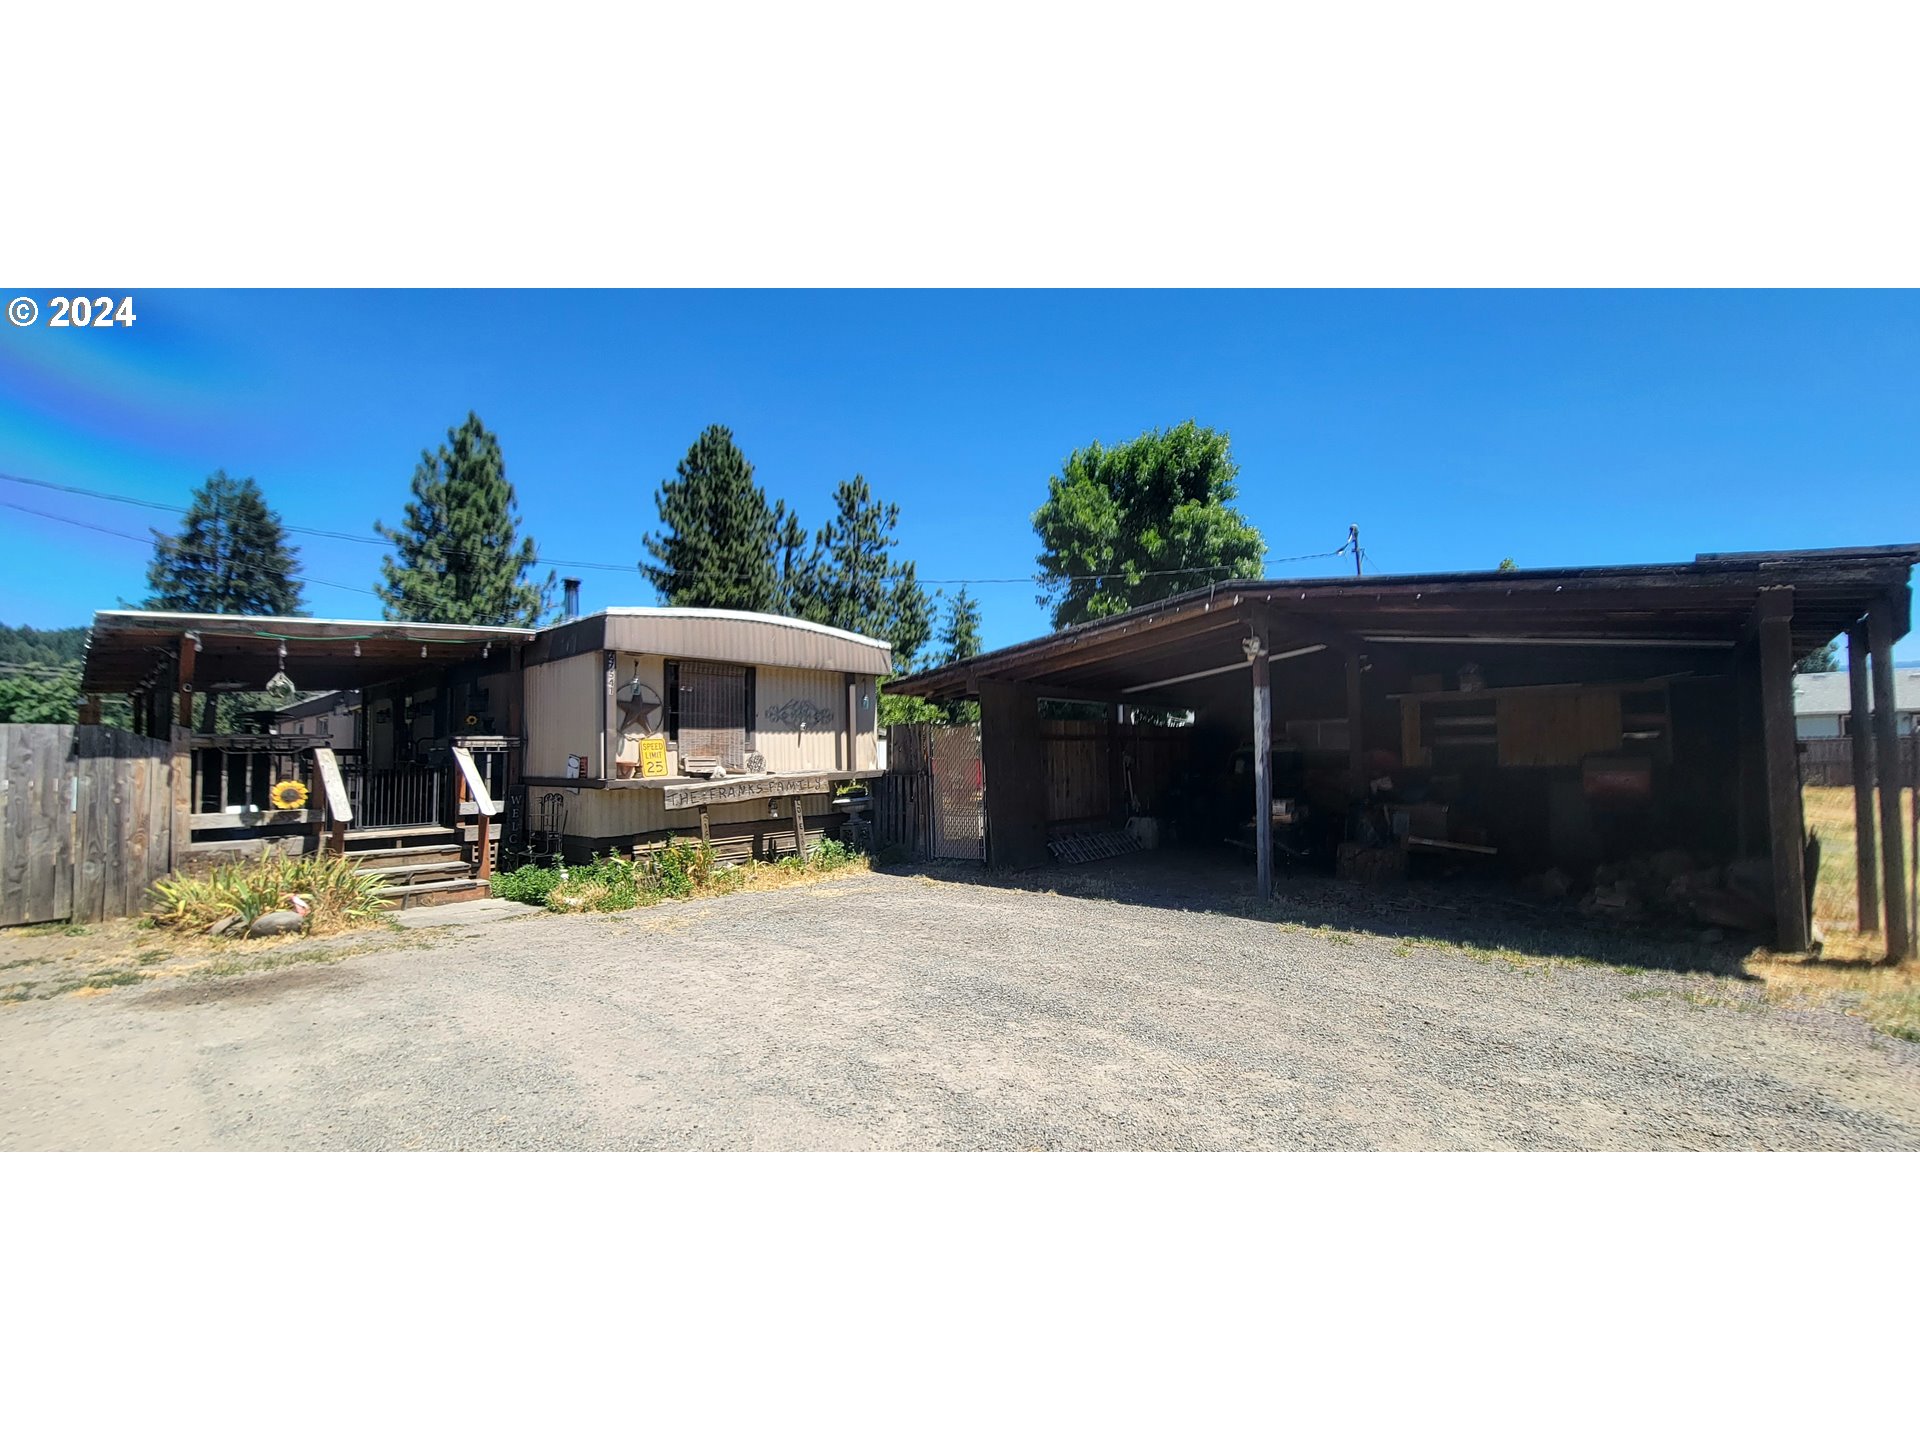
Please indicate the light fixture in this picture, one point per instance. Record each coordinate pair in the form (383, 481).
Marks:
(194, 635)
(356, 649)
(423, 652)
(280, 688)
(486, 649)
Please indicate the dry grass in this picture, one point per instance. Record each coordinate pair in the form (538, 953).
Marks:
(1829, 812)
(1851, 970)
(117, 953)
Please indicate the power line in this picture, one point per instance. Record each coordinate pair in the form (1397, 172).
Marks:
(238, 564)
(629, 568)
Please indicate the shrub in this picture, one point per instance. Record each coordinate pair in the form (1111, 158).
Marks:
(608, 884)
(530, 884)
(338, 892)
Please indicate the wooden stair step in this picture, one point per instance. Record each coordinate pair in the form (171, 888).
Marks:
(427, 869)
(405, 855)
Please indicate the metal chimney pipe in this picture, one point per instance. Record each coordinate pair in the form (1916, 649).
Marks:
(570, 606)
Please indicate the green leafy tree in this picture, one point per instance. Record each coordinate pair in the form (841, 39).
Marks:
(853, 581)
(231, 556)
(1141, 521)
(461, 559)
(1509, 563)
(36, 697)
(719, 536)
(40, 678)
(1821, 661)
(913, 710)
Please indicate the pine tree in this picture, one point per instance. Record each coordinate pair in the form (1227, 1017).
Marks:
(717, 545)
(852, 580)
(960, 638)
(793, 562)
(231, 556)
(461, 558)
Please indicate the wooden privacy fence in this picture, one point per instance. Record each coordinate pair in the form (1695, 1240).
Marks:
(86, 821)
(903, 797)
(1098, 772)
(1830, 762)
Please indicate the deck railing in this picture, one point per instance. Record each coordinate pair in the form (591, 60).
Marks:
(235, 774)
(410, 795)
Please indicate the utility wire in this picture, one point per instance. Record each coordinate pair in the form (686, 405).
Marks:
(629, 568)
(178, 549)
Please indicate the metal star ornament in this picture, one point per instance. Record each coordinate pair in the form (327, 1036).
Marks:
(638, 706)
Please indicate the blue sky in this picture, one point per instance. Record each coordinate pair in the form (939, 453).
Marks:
(1454, 427)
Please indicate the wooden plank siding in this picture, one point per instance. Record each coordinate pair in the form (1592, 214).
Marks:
(86, 821)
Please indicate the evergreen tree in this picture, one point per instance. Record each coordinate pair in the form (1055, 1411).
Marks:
(853, 581)
(717, 545)
(461, 558)
(231, 556)
(1142, 521)
(796, 579)
(960, 638)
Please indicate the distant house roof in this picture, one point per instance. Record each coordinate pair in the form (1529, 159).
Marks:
(325, 703)
(1826, 693)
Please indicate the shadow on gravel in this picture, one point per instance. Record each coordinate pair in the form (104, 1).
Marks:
(1467, 915)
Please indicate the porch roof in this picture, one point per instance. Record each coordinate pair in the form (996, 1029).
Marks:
(132, 649)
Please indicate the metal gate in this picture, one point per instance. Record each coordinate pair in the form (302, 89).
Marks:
(959, 792)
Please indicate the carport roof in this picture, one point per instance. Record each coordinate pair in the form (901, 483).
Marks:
(1707, 603)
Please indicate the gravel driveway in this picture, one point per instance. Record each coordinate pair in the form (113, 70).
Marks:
(902, 1012)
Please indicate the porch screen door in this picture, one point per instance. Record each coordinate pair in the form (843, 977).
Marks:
(713, 715)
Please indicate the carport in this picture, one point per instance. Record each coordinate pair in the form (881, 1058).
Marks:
(1546, 716)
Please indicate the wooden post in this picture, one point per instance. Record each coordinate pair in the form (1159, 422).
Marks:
(485, 843)
(1262, 770)
(1860, 728)
(1356, 732)
(1786, 832)
(706, 827)
(610, 718)
(183, 671)
(1886, 751)
(853, 721)
(89, 709)
(799, 830)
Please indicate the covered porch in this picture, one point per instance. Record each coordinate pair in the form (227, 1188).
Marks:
(439, 720)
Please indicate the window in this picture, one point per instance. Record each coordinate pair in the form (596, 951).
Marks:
(709, 714)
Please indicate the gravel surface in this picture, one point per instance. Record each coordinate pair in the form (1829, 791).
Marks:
(900, 1011)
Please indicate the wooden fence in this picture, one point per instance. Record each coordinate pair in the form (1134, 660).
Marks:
(1830, 762)
(1097, 770)
(86, 821)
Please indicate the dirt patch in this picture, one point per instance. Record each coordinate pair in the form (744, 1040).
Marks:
(259, 987)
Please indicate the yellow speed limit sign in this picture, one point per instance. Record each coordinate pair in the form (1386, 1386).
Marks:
(653, 757)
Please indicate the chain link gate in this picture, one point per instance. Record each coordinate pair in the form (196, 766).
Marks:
(959, 794)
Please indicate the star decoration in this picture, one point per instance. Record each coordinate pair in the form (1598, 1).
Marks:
(637, 707)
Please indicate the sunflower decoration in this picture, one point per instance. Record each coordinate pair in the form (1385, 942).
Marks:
(289, 795)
